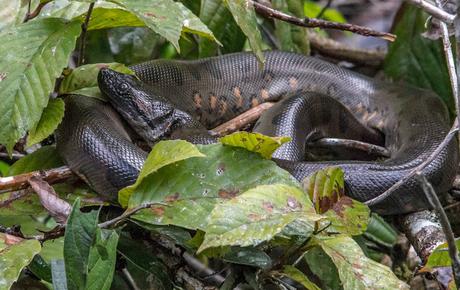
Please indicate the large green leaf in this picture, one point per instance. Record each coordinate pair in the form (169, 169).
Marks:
(298, 276)
(51, 117)
(218, 18)
(245, 16)
(162, 154)
(257, 215)
(415, 59)
(167, 18)
(12, 12)
(187, 191)
(356, 271)
(33, 56)
(89, 252)
(440, 256)
(44, 158)
(15, 254)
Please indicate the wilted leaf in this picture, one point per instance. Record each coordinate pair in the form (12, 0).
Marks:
(256, 216)
(15, 254)
(44, 158)
(325, 187)
(244, 14)
(33, 56)
(255, 142)
(356, 271)
(162, 154)
(51, 117)
(297, 275)
(187, 191)
(415, 59)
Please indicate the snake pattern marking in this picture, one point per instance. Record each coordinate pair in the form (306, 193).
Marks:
(316, 99)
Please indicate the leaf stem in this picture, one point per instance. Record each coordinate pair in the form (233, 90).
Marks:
(84, 30)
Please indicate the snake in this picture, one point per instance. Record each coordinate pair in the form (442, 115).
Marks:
(315, 99)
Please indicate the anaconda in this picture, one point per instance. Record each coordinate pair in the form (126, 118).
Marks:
(316, 99)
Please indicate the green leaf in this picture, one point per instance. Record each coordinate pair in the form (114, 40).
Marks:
(415, 59)
(322, 267)
(220, 21)
(40, 268)
(380, 232)
(325, 187)
(356, 271)
(297, 275)
(80, 235)
(248, 256)
(102, 260)
(291, 37)
(162, 154)
(49, 121)
(83, 79)
(255, 142)
(15, 254)
(44, 158)
(244, 14)
(147, 269)
(349, 216)
(256, 216)
(4, 168)
(58, 274)
(33, 56)
(440, 256)
(186, 192)
(167, 18)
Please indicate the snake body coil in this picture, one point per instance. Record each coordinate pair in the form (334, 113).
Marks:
(318, 99)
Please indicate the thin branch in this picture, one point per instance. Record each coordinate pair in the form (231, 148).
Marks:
(36, 12)
(447, 229)
(124, 215)
(84, 30)
(129, 279)
(325, 7)
(436, 12)
(14, 156)
(313, 22)
(451, 134)
(370, 149)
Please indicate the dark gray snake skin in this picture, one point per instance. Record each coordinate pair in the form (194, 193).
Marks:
(318, 99)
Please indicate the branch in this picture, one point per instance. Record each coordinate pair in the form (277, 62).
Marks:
(84, 30)
(313, 22)
(124, 215)
(436, 12)
(451, 134)
(36, 12)
(370, 149)
(447, 229)
(51, 176)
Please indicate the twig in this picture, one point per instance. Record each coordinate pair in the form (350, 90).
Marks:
(129, 279)
(370, 149)
(59, 209)
(313, 22)
(33, 14)
(331, 48)
(124, 215)
(325, 7)
(51, 176)
(242, 120)
(84, 30)
(14, 156)
(447, 229)
(451, 134)
(436, 12)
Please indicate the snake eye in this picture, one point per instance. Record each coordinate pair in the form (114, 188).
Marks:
(123, 87)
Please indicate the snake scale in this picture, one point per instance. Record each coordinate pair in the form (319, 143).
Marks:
(315, 99)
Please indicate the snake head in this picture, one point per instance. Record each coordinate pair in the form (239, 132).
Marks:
(150, 115)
